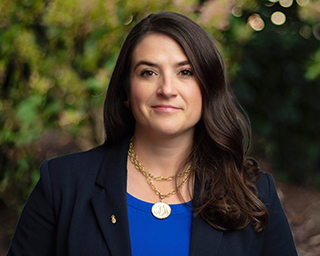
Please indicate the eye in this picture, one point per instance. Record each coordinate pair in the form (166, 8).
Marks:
(186, 72)
(147, 73)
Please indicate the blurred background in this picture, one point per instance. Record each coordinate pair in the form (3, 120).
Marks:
(57, 56)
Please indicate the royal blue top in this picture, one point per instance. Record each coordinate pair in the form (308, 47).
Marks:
(151, 236)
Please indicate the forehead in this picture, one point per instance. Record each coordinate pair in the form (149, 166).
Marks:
(157, 44)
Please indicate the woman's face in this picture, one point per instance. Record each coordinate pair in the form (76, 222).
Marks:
(165, 94)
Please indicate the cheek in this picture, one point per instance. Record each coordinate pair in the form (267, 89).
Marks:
(139, 97)
(134, 92)
(197, 100)
(136, 96)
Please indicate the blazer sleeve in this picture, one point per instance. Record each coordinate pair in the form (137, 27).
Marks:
(278, 239)
(35, 232)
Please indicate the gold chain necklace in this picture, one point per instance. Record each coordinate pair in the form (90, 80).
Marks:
(160, 210)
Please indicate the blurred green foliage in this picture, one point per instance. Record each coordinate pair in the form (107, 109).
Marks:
(278, 84)
(56, 58)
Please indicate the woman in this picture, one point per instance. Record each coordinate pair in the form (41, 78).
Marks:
(172, 177)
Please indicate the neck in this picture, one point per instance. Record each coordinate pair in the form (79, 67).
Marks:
(162, 155)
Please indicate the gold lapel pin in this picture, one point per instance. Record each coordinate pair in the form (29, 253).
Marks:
(113, 219)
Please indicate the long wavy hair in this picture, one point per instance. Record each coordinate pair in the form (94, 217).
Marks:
(227, 197)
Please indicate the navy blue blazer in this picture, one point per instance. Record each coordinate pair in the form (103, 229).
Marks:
(69, 213)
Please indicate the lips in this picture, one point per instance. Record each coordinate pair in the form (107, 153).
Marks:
(165, 108)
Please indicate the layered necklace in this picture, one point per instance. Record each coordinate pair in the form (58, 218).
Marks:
(160, 210)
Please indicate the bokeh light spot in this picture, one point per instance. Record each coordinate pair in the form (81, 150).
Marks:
(256, 22)
(316, 31)
(237, 11)
(129, 20)
(278, 18)
(305, 32)
(302, 2)
(268, 4)
(286, 3)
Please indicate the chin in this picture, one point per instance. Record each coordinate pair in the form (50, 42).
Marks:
(170, 132)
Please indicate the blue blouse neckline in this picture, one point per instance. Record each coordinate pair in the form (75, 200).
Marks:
(146, 206)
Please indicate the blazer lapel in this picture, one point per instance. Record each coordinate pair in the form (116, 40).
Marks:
(110, 204)
(205, 240)
(110, 207)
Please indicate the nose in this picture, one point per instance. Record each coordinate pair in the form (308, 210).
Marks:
(167, 86)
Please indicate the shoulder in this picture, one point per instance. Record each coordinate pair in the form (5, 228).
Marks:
(86, 167)
(278, 238)
(265, 182)
(267, 191)
(77, 160)
(74, 166)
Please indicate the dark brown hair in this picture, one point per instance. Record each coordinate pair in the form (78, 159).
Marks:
(227, 197)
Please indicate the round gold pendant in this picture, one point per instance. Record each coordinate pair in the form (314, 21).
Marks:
(161, 210)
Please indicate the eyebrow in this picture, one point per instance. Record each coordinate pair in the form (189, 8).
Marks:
(151, 64)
